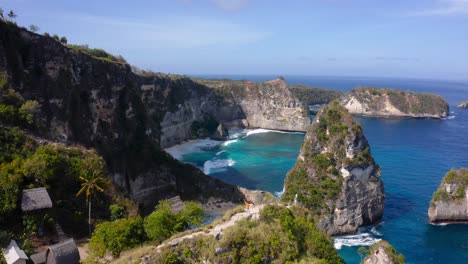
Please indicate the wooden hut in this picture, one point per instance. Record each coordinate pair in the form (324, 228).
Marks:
(35, 199)
(65, 252)
(13, 254)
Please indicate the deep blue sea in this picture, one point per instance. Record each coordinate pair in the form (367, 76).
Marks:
(414, 155)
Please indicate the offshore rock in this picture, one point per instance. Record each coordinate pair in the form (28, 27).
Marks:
(335, 174)
(450, 202)
(394, 103)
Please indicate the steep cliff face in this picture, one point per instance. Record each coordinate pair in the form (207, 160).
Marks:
(394, 103)
(383, 253)
(269, 105)
(450, 202)
(101, 104)
(335, 174)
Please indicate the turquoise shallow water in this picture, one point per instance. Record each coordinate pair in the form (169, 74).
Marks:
(414, 155)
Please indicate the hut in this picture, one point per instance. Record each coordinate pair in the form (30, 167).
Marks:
(65, 252)
(39, 258)
(13, 254)
(35, 199)
(176, 204)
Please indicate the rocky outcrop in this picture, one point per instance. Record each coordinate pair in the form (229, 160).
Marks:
(221, 133)
(450, 202)
(335, 174)
(104, 105)
(269, 105)
(463, 105)
(394, 103)
(383, 253)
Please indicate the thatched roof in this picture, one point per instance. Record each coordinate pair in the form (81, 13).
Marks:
(13, 253)
(65, 252)
(35, 199)
(176, 204)
(39, 258)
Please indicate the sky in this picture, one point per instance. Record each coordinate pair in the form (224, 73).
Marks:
(373, 38)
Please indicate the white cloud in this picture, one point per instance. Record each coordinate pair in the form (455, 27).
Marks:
(444, 8)
(179, 31)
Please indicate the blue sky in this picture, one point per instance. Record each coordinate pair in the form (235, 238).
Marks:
(398, 38)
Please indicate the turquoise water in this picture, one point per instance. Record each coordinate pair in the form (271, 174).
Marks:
(414, 155)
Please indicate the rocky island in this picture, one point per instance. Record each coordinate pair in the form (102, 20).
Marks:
(383, 253)
(463, 105)
(449, 203)
(394, 103)
(335, 174)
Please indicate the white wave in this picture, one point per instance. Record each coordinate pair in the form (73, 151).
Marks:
(191, 146)
(217, 165)
(219, 152)
(450, 117)
(227, 143)
(261, 130)
(362, 239)
(279, 194)
(375, 232)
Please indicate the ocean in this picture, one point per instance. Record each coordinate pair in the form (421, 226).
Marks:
(414, 155)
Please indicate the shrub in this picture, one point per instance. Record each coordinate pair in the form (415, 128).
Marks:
(117, 236)
(116, 212)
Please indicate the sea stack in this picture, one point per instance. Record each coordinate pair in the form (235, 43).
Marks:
(449, 203)
(463, 105)
(335, 174)
(394, 103)
(383, 253)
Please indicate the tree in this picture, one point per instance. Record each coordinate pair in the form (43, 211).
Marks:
(12, 15)
(159, 225)
(33, 28)
(92, 182)
(63, 40)
(56, 37)
(1, 13)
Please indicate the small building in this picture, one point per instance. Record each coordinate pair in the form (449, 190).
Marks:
(13, 254)
(35, 199)
(176, 204)
(39, 258)
(65, 252)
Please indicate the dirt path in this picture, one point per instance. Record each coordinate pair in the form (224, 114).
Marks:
(217, 230)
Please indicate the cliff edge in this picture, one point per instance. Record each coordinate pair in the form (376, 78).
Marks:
(394, 103)
(335, 174)
(449, 203)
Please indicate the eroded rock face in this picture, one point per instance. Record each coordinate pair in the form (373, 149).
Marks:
(335, 174)
(105, 105)
(394, 103)
(450, 202)
(463, 105)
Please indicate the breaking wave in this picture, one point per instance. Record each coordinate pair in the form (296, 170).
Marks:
(359, 239)
(217, 165)
(191, 146)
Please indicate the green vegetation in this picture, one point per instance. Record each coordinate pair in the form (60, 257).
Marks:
(280, 235)
(391, 252)
(405, 101)
(311, 95)
(458, 178)
(117, 236)
(97, 53)
(127, 233)
(205, 127)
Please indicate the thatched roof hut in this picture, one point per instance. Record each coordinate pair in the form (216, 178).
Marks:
(176, 204)
(35, 199)
(63, 253)
(39, 258)
(13, 254)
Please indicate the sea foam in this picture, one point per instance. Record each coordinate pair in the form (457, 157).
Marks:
(217, 165)
(191, 146)
(360, 239)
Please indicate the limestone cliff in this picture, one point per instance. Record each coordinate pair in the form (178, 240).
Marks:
(450, 202)
(101, 104)
(394, 103)
(269, 105)
(463, 105)
(383, 253)
(335, 174)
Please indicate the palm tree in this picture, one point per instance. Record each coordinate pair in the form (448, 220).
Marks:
(91, 183)
(12, 15)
